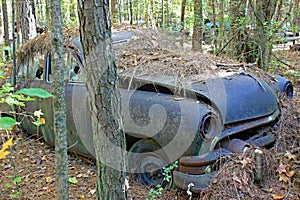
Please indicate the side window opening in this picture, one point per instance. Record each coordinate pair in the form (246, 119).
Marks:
(75, 66)
(36, 70)
(72, 68)
(32, 68)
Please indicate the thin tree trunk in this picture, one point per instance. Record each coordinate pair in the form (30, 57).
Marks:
(162, 15)
(5, 22)
(130, 12)
(67, 13)
(278, 12)
(27, 20)
(296, 14)
(104, 98)
(146, 12)
(114, 11)
(59, 103)
(265, 11)
(197, 33)
(216, 28)
(183, 4)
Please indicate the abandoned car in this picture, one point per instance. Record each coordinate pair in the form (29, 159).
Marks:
(195, 122)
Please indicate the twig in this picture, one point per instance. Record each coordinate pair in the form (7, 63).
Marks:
(281, 61)
(237, 193)
(236, 64)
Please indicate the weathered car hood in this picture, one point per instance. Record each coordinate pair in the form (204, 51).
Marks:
(238, 97)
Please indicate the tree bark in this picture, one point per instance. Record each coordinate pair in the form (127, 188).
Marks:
(114, 11)
(27, 20)
(278, 12)
(265, 11)
(239, 45)
(296, 14)
(130, 12)
(59, 103)
(197, 33)
(104, 98)
(5, 22)
(183, 4)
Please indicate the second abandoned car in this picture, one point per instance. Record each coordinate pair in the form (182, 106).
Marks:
(193, 121)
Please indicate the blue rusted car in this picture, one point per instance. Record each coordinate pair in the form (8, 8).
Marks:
(195, 123)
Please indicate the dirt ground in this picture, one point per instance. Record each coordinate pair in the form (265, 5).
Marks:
(29, 171)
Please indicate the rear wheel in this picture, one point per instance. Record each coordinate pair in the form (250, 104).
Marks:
(145, 161)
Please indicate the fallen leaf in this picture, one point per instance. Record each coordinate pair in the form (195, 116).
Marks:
(282, 103)
(73, 180)
(281, 169)
(245, 178)
(44, 158)
(92, 191)
(277, 196)
(290, 156)
(244, 162)
(49, 180)
(178, 98)
(283, 177)
(5, 146)
(127, 54)
(291, 173)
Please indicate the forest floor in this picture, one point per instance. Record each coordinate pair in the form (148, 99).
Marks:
(28, 172)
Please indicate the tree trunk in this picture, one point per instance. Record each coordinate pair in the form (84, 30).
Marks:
(183, 4)
(216, 28)
(27, 20)
(296, 14)
(146, 12)
(114, 11)
(261, 33)
(265, 11)
(130, 12)
(104, 98)
(278, 11)
(197, 33)
(59, 103)
(5, 22)
(67, 12)
(239, 47)
(162, 20)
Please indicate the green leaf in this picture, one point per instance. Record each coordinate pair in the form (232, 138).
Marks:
(7, 122)
(7, 185)
(18, 179)
(35, 92)
(37, 123)
(73, 180)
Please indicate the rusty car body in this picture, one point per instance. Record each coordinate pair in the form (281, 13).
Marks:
(196, 125)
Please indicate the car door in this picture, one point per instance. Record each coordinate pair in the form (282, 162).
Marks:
(31, 74)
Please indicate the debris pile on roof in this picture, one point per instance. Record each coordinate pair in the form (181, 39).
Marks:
(41, 44)
(150, 52)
